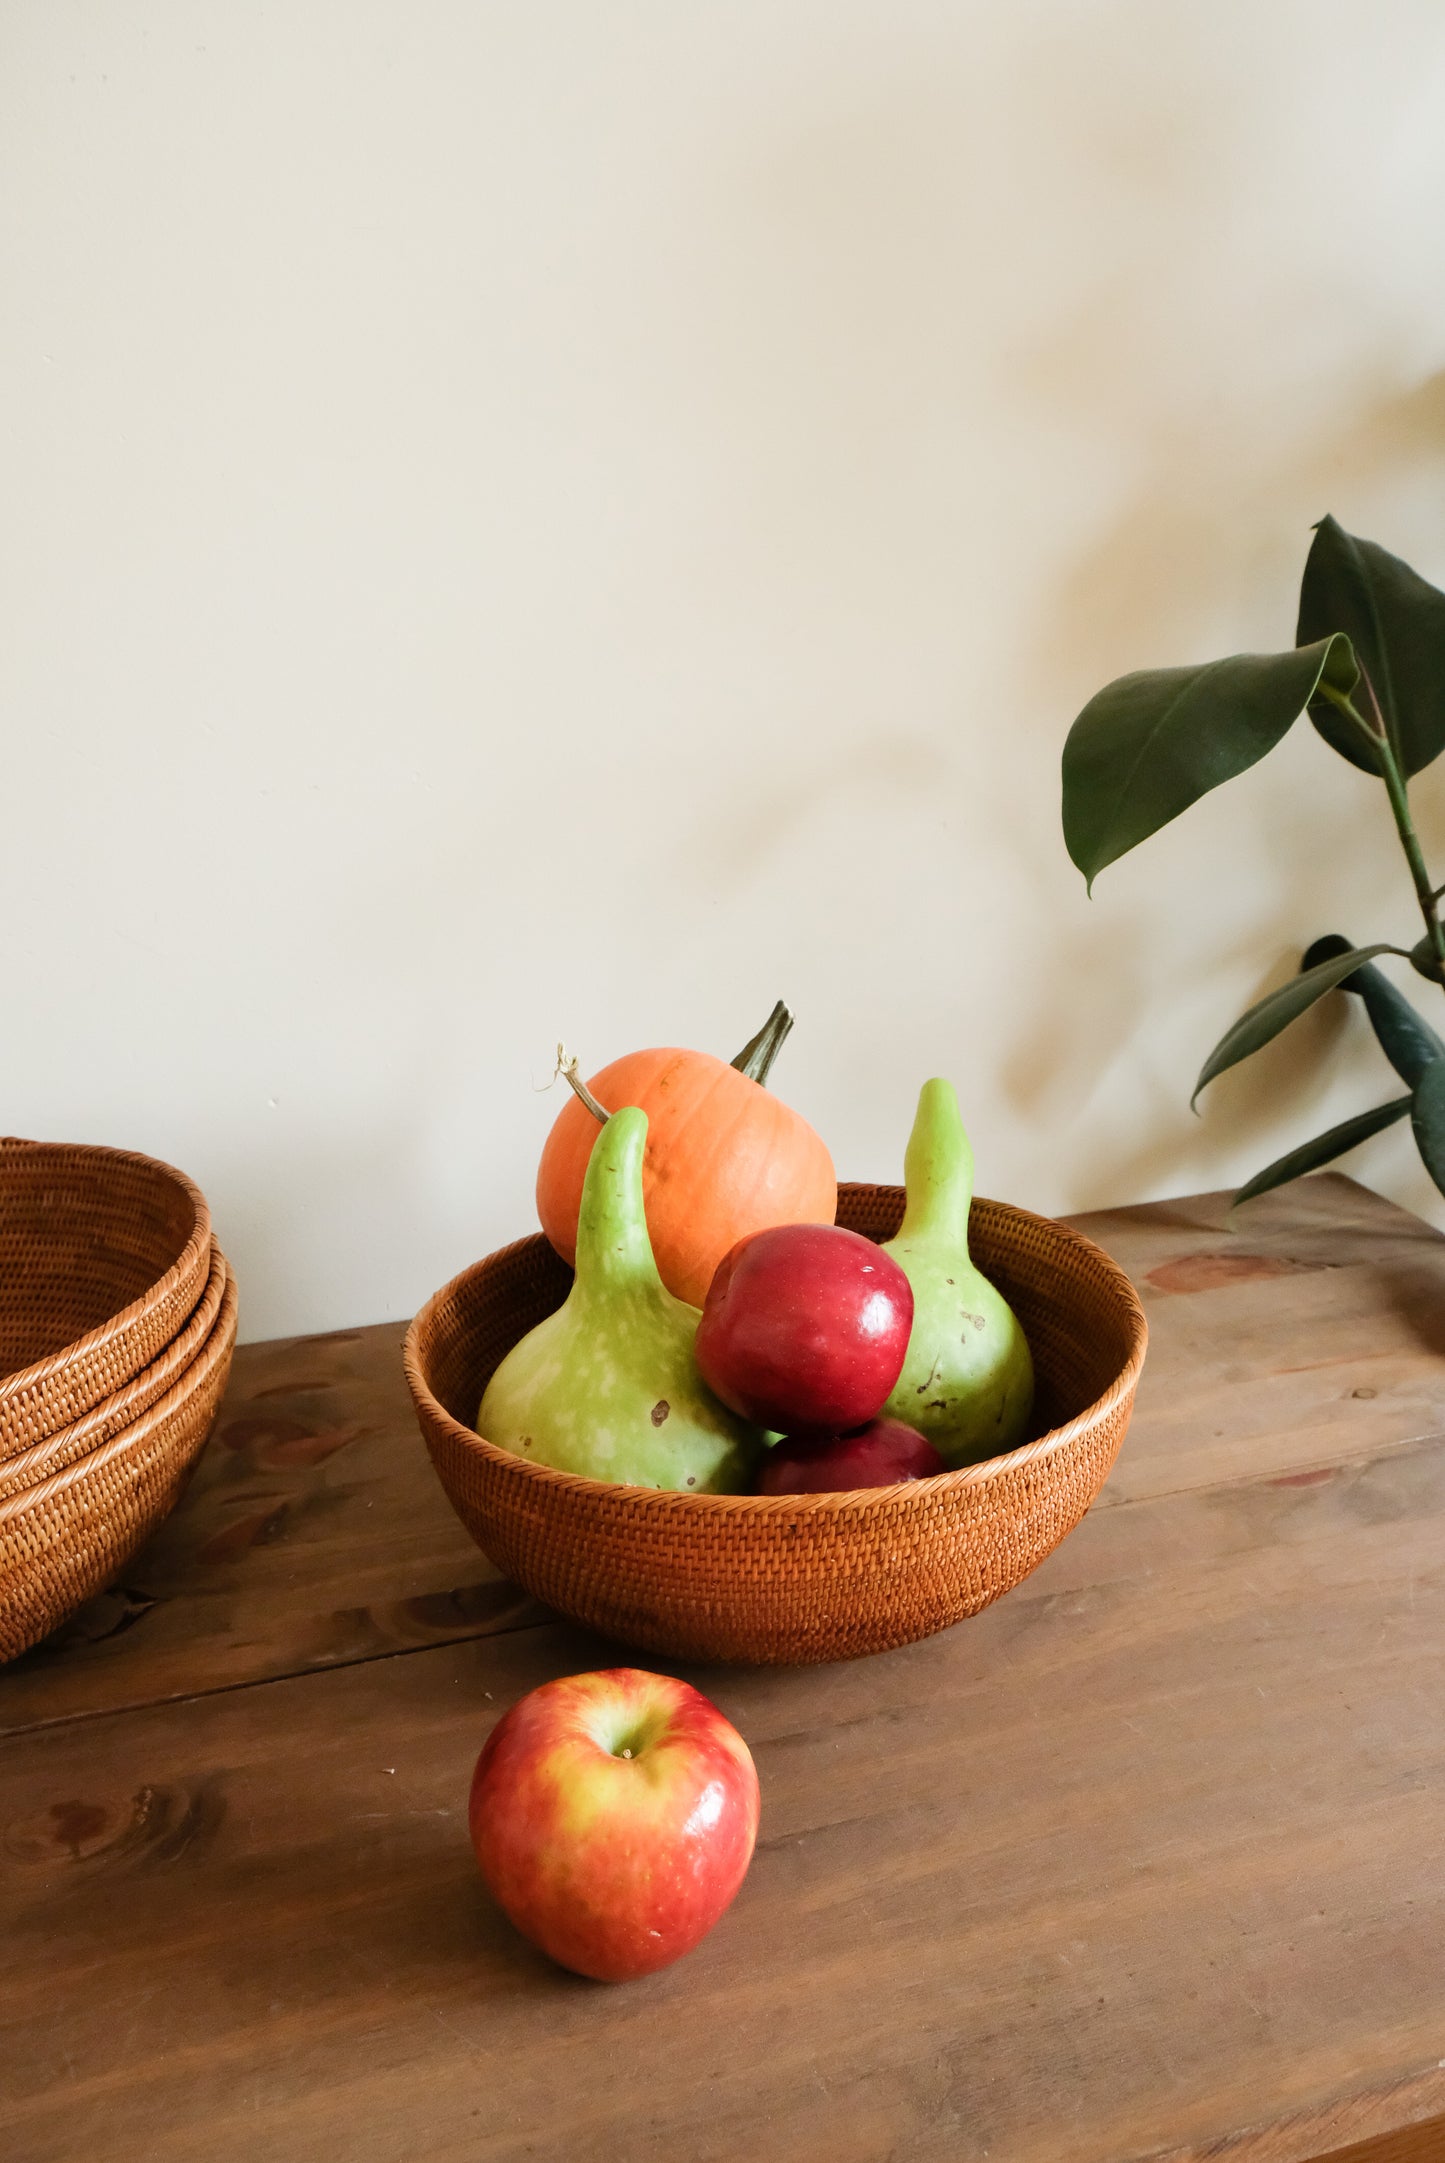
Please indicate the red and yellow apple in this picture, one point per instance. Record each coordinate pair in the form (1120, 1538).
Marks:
(613, 1816)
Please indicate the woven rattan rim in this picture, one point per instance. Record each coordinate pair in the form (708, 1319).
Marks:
(185, 1264)
(861, 1498)
(27, 1467)
(216, 1347)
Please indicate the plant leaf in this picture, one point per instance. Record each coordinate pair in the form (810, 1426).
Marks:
(1148, 746)
(1323, 1149)
(1427, 1117)
(1406, 1038)
(1277, 1009)
(1395, 621)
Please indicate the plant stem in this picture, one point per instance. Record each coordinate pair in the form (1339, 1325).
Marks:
(568, 1069)
(1410, 843)
(1396, 790)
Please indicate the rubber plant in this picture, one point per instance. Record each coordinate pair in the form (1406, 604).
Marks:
(1368, 666)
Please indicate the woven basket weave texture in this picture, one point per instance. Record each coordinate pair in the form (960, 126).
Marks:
(794, 1579)
(122, 1410)
(66, 1537)
(104, 1256)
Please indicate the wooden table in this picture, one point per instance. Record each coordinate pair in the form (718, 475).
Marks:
(1146, 1861)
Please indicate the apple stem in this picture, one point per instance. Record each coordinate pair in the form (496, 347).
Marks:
(757, 1055)
(568, 1069)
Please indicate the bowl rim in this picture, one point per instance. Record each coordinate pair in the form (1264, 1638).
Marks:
(216, 1347)
(27, 1467)
(954, 1482)
(41, 1371)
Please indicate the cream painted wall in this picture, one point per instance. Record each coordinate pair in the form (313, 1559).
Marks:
(557, 520)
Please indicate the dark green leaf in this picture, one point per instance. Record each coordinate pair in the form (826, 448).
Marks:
(1323, 1149)
(1148, 746)
(1406, 1038)
(1396, 622)
(1277, 1009)
(1427, 1117)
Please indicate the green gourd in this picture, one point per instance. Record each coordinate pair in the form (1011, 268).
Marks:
(968, 1379)
(608, 1386)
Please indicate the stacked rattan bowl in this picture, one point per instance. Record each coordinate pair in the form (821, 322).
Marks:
(792, 1579)
(117, 1324)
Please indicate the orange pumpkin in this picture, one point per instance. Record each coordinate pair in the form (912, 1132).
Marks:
(724, 1158)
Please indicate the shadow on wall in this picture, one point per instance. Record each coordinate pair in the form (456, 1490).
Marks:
(1106, 355)
(1281, 1083)
(740, 843)
(1168, 561)
(1201, 542)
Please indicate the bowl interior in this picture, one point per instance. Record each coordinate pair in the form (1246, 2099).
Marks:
(1062, 1289)
(82, 1236)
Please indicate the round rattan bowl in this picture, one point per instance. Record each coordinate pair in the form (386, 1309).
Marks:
(67, 1536)
(104, 1257)
(790, 1580)
(122, 1410)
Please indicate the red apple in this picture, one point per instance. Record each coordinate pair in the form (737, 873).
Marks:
(613, 1816)
(804, 1328)
(881, 1454)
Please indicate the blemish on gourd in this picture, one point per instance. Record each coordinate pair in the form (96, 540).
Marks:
(660, 1411)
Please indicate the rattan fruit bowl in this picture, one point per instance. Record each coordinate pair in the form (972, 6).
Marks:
(115, 1413)
(104, 1257)
(66, 1536)
(794, 1579)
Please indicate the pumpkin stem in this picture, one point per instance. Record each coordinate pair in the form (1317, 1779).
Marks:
(757, 1055)
(567, 1068)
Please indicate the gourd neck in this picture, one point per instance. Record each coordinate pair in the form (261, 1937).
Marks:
(938, 1170)
(614, 1252)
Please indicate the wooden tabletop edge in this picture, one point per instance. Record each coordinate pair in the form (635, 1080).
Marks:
(1403, 2122)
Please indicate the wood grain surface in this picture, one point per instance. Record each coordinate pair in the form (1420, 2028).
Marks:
(1144, 1862)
